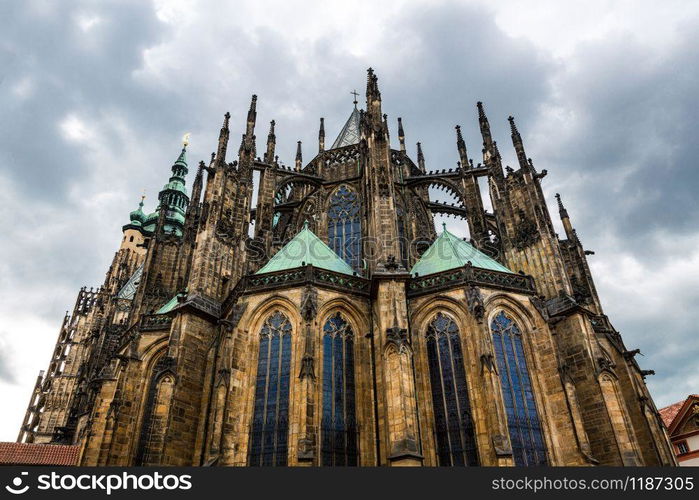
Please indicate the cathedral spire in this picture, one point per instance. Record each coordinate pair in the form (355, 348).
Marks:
(420, 158)
(401, 135)
(461, 145)
(518, 144)
(271, 144)
(321, 136)
(223, 139)
(299, 156)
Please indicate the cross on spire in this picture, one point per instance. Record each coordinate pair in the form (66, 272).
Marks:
(355, 94)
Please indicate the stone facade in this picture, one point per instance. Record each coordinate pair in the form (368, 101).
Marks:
(165, 364)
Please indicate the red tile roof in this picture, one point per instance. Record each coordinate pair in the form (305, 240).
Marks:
(669, 413)
(38, 454)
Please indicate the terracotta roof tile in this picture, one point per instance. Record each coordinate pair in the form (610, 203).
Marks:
(669, 413)
(38, 454)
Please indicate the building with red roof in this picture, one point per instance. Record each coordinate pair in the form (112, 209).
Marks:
(38, 454)
(682, 422)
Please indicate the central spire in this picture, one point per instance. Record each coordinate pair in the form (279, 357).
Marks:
(350, 132)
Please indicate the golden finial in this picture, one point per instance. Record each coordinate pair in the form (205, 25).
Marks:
(185, 139)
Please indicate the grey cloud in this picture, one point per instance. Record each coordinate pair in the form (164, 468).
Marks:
(634, 113)
(69, 71)
(140, 84)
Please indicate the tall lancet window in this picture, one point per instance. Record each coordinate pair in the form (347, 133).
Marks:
(522, 418)
(454, 433)
(156, 414)
(344, 226)
(338, 423)
(270, 422)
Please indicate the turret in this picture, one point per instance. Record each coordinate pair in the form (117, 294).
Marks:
(133, 231)
(252, 118)
(321, 136)
(401, 135)
(567, 226)
(373, 105)
(137, 217)
(518, 144)
(472, 199)
(491, 155)
(461, 146)
(223, 140)
(271, 144)
(299, 157)
(420, 158)
(248, 149)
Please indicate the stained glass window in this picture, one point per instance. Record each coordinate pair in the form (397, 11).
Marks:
(454, 433)
(338, 422)
(270, 421)
(344, 226)
(526, 435)
(155, 414)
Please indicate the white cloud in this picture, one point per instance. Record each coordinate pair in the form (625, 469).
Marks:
(75, 129)
(86, 22)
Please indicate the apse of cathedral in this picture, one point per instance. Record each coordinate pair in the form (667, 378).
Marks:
(331, 324)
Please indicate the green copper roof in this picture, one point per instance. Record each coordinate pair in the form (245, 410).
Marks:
(170, 304)
(137, 216)
(182, 159)
(306, 248)
(450, 252)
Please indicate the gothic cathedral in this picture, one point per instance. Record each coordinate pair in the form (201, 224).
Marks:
(330, 324)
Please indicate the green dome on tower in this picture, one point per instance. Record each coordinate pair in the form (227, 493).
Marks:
(138, 217)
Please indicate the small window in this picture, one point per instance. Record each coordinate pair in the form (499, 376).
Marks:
(682, 447)
(131, 239)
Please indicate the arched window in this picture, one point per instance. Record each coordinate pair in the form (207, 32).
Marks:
(619, 419)
(338, 423)
(156, 414)
(522, 418)
(456, 443)
(270, 422)
(344, 226)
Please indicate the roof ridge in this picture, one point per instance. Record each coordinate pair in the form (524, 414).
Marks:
(451, 238)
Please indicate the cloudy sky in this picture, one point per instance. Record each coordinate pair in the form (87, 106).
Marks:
(95, 96)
